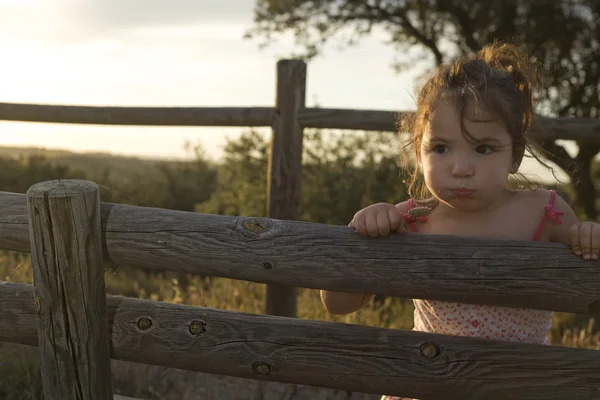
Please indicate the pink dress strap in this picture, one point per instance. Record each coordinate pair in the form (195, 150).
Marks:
(550, 213)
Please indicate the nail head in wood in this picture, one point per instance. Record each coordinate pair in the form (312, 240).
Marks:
(197, 327)
(267, 265)
(430, 350)
(144, 323)
(261, 368)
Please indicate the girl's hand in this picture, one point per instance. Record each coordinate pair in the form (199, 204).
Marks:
(379, 219)
(585, 239)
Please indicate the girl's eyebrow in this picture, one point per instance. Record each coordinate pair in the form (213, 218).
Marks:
(489, 139)
(439, 139)
(484, 139)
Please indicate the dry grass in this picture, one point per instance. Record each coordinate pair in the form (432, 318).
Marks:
(19, 373)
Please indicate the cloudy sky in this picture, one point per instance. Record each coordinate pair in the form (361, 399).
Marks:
(165, 53)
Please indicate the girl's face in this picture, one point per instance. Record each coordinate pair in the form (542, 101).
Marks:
(463, 173)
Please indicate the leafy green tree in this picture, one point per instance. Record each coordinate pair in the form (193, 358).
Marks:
(341, 173)
(241, 187)
(344, 172)
(20, 173)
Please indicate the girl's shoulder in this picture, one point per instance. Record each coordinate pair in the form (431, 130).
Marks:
(539, 198)
(549, 206)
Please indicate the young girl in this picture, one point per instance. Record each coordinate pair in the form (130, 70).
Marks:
(469, 135)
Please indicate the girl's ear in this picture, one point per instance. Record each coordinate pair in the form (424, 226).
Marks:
(518, 153)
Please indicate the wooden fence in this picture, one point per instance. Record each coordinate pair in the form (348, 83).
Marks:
(78, 328)
(288, 119)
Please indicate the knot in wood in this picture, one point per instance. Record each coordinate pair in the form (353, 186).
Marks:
(144, 323)
(261, 368)
(430, 350)
(256, 225)
(197, 327)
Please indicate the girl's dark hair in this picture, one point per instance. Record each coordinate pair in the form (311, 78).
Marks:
(498, 79)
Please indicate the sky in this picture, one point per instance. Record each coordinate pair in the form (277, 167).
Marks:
(168, 53)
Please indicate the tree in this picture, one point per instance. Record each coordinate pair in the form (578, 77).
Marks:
(563, 35)
(19, 174)
(241, 188)
(341, 173)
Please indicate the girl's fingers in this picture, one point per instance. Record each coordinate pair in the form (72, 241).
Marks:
(595, 241)
(585, 240)
(396, 220)
(574, 237)
(383, 224)
(359, 224)
(371, 225)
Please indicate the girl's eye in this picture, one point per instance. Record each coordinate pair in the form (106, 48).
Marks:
(440, 148)
(483, 149)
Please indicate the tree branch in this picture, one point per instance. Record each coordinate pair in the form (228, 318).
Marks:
(403, 20)
(465, 24)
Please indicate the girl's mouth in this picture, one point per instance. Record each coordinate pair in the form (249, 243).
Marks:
(462, 192)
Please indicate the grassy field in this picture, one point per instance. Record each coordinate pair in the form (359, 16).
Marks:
(19, 373)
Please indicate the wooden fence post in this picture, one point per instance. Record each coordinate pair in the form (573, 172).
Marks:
(70, 299)
(285, 167)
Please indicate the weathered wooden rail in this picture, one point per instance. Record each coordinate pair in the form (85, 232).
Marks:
(480, 271)
(567, 128)
(348, 357)
(78, 328)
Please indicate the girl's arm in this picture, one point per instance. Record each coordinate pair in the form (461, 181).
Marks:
(341, 303)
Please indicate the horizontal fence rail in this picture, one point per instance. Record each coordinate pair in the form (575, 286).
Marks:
(333, 355)
(152, 116)
(583, 129)
(469, 270)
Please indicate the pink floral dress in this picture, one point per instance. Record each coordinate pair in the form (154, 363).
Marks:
(489, 322)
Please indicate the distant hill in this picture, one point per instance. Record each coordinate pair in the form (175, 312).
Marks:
(95, 165)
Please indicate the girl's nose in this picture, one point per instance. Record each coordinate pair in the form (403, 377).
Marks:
(461, 167)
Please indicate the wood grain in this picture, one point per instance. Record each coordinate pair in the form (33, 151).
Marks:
(68, 273)
(302, 254)
(340, 356)
(14, 224)
(284, 176)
